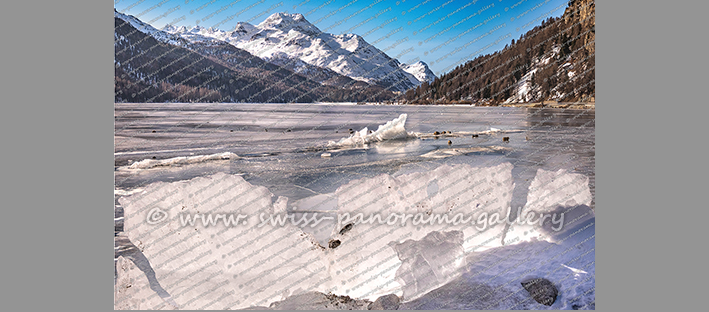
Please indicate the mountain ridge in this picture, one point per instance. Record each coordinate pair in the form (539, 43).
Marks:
(291, 36)
(155, 66)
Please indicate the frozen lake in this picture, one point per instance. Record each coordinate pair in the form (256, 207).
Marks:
(297, 152)
(280, 145)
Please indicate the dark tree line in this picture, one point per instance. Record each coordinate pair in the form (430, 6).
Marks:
(568, 75)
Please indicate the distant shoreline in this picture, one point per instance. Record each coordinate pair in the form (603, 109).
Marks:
(566, 105)
(573, 105)
(546, 104)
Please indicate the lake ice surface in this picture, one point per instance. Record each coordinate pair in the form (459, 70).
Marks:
(252, 158)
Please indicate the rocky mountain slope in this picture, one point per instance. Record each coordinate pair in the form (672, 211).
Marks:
(155, 66)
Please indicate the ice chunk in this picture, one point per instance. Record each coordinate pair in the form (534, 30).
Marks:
(551, 189)
(556, 200)
(392, 130)
(449, 152)
(218, 266)
(430, 262)
(445, 191)
(182, 160)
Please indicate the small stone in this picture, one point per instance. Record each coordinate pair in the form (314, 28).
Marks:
(346, 228)
(449, 142)
(542, 290)
(506, 139)
(436, 133)
(154, 131)
(386, 302)
(334, 243)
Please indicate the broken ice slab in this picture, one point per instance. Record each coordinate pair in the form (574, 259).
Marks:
(244, 265)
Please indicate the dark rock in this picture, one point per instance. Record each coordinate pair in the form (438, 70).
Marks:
(387, 302)
(475, 135)
(449, 142)
(346, 228)
(265, 130)
(231, 130)
(506, 139)
(542, 290)
(154, 157)
(154, 131)
(334, 243)
(436, 133)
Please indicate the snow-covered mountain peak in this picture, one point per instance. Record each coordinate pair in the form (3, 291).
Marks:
(420, 70)
(242, 28)
(286, 22)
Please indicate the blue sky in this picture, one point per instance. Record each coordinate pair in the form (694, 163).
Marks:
(442, 33)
